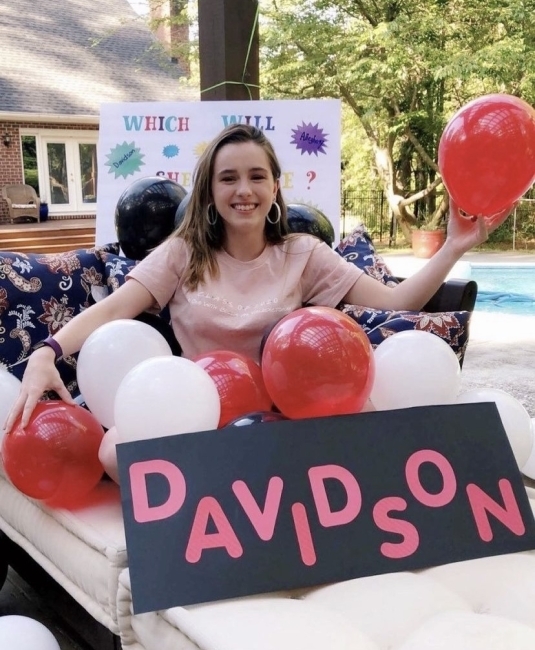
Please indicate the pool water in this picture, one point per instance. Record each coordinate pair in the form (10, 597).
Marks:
(505, 289)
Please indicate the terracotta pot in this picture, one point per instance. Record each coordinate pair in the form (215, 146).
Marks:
(425, 243)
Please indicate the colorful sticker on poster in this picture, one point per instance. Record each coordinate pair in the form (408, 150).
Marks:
(124, 160)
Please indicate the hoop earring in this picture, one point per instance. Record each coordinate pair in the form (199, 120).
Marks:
(212, 220)
(278, 211)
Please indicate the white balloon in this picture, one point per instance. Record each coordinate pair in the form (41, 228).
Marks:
(528, 468)
(9, 391)
(414, 368)
(106, 357)
(514, 417)
(165, 396)
(23, 633)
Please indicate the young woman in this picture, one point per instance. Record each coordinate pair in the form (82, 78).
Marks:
(231, 270)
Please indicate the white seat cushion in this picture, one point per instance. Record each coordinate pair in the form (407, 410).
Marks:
(83, 550)
(469, 631)
(388, 607)
(274, 621)
(405, 611)
(503, 585)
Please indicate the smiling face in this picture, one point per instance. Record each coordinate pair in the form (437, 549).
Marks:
(243, 186)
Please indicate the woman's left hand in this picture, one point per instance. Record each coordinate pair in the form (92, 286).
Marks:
(466, 232)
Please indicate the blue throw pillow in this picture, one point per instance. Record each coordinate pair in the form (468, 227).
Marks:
(39, 294)
(358, 248)
(450, 326)
(116, 269)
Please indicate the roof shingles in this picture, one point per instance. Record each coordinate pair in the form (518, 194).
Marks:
(66, 57)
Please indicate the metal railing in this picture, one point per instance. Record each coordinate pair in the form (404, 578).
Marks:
(371, 208)
(368, 207)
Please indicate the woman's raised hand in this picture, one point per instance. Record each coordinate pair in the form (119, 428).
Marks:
(465, 231)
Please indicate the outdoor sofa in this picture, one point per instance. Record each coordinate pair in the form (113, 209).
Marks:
(78, 558)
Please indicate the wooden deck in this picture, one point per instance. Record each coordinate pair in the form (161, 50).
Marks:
(48, 236)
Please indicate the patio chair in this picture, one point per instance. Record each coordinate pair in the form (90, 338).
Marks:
(22, 202)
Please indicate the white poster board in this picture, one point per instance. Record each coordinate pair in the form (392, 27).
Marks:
(137, 140)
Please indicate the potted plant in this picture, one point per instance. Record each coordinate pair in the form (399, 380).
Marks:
(427, 239)
(425, 230)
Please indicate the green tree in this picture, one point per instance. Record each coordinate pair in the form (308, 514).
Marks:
(402, 67)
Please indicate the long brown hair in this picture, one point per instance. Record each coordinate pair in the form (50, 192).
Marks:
(204, 238)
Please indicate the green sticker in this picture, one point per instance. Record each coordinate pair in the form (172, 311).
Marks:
(125, 159)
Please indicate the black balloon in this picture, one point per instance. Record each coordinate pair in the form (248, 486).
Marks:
(181, 210)
(258, 417)
(163, 326)
(307, 219)
(145, 214)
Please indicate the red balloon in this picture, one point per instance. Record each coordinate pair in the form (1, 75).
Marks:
(55, 458)
(316, 362)
(486, 154)
(497, 219)
(239, 383)
(493, 221)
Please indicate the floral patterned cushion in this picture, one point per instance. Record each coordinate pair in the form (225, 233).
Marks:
(39, 294)
(452, 327)
(115, 269)
(358, 248)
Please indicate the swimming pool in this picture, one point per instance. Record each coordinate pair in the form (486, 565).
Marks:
(508, 289)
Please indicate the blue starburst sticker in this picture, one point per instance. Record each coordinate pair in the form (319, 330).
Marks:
(125, 159)
(170, 151)
(309, 138)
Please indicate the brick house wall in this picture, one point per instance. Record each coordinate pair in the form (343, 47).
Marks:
(11, 168)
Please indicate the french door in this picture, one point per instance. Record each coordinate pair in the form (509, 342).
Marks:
(70, 173)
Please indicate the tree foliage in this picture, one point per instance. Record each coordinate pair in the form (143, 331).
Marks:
(402, 67)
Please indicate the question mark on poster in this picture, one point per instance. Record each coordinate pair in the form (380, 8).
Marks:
(311, 175)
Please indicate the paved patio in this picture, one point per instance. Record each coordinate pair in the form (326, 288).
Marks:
(501, 354)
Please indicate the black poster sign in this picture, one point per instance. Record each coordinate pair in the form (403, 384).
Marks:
(281, 505)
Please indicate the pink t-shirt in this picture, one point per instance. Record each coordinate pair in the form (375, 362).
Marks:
(234, 310)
